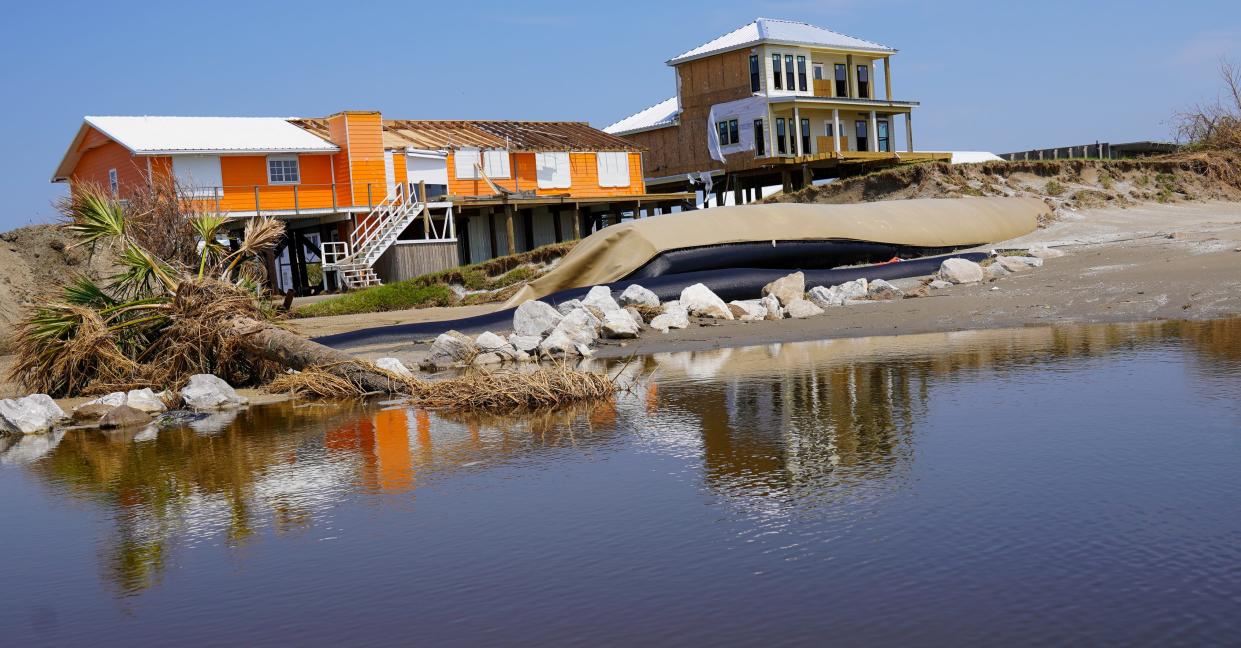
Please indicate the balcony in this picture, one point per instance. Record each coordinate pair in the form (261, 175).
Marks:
(293, 200)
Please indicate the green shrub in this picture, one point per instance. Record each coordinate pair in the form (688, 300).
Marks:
(1105, 180)
(388, 297)
(1053, 188)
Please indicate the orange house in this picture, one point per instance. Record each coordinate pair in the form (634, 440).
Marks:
(368, 200)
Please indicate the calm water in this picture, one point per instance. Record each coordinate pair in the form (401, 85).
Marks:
(1039, 486)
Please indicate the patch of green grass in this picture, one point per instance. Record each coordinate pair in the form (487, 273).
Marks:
(1053, 188)
(1105, 180)
(388, 297)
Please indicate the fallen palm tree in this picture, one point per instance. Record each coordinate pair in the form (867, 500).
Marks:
(161, 320)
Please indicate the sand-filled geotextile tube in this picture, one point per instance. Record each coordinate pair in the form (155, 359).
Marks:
(729, 284)
(618, 252)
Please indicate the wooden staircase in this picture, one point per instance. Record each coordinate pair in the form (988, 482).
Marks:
(374, 234)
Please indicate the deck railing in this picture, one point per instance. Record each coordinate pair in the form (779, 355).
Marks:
(288, 198)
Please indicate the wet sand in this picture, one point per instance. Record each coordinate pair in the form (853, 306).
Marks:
(1150, 262)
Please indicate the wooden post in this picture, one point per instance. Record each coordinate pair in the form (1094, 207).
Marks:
(719, 197)
(738, 191)
(557, 228)
(422, 190)
(493, 229)
(508, 227)
(807, 176)
(786, 179)
(577, 221)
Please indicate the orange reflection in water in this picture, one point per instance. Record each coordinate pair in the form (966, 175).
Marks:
(396, 464)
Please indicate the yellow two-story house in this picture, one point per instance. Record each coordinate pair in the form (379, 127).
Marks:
(774, 100)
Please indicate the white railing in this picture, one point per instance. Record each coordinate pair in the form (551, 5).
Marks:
(393, 207)
(333, 252)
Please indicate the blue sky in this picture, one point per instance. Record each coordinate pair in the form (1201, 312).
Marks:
(990, 75)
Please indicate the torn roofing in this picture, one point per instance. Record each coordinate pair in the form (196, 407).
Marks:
(662, 114)
(770, 30)
(512, 135)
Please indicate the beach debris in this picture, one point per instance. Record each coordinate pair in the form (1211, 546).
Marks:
(774, 310)
(535, 318)
(619, 325)
(1018, 263)
(207, 391)
(675, 316)
(750, 310)
(802, 308)
(124, 416)
(392, 365)
(880, 290)
(33, 414)
(787, 288)
(636, 295)
(959, 271)
(1044, 252)
(698, 300)
(452, 348)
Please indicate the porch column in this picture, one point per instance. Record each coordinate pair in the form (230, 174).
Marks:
(849, 75)
(769, 133)
(836, 129)
(872, 139)
(887, 77)
(909, 131)
(509, 229)
(796, 148)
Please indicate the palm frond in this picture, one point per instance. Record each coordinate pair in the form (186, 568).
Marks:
(94, 215)
(83, 291)
(206, 228)
(143, 274)
(262, 235)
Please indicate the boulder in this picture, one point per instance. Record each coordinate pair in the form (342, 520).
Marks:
(600, 297)
(206, 392)
(489, 342)
(1044, 252)
(111, 400)
(824, 297)
(564, 308)
(32, 414)
(840, 294)
(453, 348)
(994, 271)
(774, 310)
(880, 290)
(89, 413)
(636, 295)
(145, 400)
(787, 288)
(619, 325)
(937, 284)
(801, 308)
(535, 318)
(124, 416)
(959, 271)
(1018, 263)
(525, 343)
(749, 310)
(558, 344)
(636, 315)
(700, 301)
(392, 365)
(581, 326)
(675, 317)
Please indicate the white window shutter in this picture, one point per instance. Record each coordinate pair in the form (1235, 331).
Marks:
(552, 170)
(199, 175)
(613, 168)
(496, 164)
(464, 162)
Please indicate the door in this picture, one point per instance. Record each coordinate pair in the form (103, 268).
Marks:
(861, 140)
(885, 144)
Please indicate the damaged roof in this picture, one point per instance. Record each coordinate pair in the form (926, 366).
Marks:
(512, 135)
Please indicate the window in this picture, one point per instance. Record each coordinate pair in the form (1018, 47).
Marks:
(860, 129)
(722, 127)
(760, 142)
(734, 136)
(788, 72)
(113, 184)
(828, 128)
(613, 168)
(496, 163)
(801, 73)
(842, 80)
(863, 81)
(885, 143)
(754, 73)
(818, 71)
(552, 170)
(282, 170)
(775, 71)
(780, 146)
(805, 137)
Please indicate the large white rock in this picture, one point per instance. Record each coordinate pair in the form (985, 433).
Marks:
(749, 310)
(489, 342)
(619, 325)
(839, 294)
(564, 308)
(880, 290)
(994, 271)
(392, 365)
(674, 317)
(636, 315)
(939, 284)
(581, 326)
(774, 310)
(801, 308)
(145, 400)
(1017, 263)
(700, 301)
(535, 318)
(525, 343)
(558, 344)
(206, 392)
(32, 414)
(1044, 252)
(787, 288)
(959, 271)
(601, 297)
(452, 348)
(111, 400)
(636, 295)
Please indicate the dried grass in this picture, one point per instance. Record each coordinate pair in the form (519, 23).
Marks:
(499, 392)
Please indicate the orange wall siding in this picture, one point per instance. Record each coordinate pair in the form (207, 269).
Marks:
(241, 173)
(100, 154)
(340, 162)
(584, 178)
(366, 156)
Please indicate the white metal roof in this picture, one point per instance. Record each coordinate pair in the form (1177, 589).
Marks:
(170, 135)
(779, 31)
(663, 113)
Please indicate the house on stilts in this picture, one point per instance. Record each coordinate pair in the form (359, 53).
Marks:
(368, 200)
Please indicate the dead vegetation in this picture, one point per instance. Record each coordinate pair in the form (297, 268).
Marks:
(1215, 125)
(499, 392)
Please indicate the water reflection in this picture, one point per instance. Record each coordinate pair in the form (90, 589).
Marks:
(805, 422)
